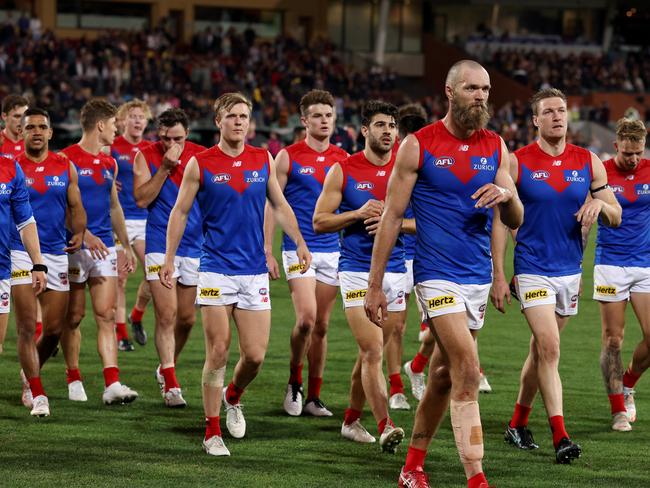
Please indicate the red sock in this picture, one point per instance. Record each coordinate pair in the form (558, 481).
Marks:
(477, 480)
(382, 424)
(396, 385)
(419, 362)
(212, 427)
(424, 326)
(233, 394)
(136, 315)
(36, 386)
(520, 416)
(557, 427)
(481, 371)
(170, 378)
(617, 402)
(630, 378)
(120, 331)
(351, 415)
(295, 373)
(111, 375)
(414, 459)
(313, 390)
(72, 375)
(38, 331)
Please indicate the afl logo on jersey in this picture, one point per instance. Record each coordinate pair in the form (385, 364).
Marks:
(29, 181)
(307, 170)
(444, 162)
(364, 186)
(221, 178)
(540, 175)
(86, 172)
(617, 189)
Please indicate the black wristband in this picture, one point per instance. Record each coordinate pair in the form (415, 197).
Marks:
(600, 188)
(40, 267)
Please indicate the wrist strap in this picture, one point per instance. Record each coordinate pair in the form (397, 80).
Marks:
(39, 267)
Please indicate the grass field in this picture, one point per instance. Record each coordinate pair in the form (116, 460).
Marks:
(145, 444)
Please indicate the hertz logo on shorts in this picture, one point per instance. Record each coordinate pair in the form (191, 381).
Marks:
(441, 302)
(21, 273)
(355, 294)
(210, 292)
(296, 267)
(606, 290)
(74, 271)
(535, 294)
(154, 268)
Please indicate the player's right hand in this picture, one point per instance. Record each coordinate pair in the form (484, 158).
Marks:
(94, 244)
(39, 282)
(75, 243)
(273, 266)
(376, 306)
(500, 293)
(166, 274)
(170, 159)
(372, 208)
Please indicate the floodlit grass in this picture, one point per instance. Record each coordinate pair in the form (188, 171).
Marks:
(145, 444)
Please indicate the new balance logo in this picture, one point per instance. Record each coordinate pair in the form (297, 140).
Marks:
(236, 164)
(557, 162)
(464, 148)
(320, 159)
(39, 169)
(381, 172)
(95, 161)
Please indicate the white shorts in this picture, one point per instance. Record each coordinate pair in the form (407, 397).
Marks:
(441, 297)
(247, 292)
(561, 291)
(354, 285)
(409, 276)
(186, 269)
(57, 270)
(135, 230)
(615, 283)
(5, 303)
(81, 265)
(324, 267)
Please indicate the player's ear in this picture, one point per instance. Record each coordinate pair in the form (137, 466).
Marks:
(364, 131)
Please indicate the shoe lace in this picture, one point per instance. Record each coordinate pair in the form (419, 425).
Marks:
(296, 388)
(318, 404)
(416, 477)
(526, 436)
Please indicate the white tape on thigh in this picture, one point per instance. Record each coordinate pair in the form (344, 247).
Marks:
(466, 422)
(214, 377)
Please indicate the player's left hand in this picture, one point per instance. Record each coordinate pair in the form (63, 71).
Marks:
(372, 225)
(376, 306)
(273, 266)
(589, 212)
(75, 243)
(500, 293)
(304, 257)
(129, 262)
(490, 195)
(39, 282)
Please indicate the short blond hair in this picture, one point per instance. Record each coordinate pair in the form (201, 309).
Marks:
(630, 130)
(123, 110)
(545, 93)
(228, 100)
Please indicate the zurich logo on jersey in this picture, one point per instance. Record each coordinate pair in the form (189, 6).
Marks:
(4, 190)
(54, 181)
(254, 177)
(643, 189)
(540, 175)
(221, 178)
(86, 172)
(307, 170)
(364, 186)
(573, 177)
(444, 162)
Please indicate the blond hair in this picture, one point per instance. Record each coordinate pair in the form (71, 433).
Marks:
(545, 93)
(123, 109)
(630, 130)
(228, 100)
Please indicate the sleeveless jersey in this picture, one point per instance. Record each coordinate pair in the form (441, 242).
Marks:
(453, 239)
(307, 170)
(161, 206)
(629, 244)
(11, 149)
(96, 176)
(47, 185)
(363, 181)
(552, 189)
(15, 210)
(124, 153)
(231, 197)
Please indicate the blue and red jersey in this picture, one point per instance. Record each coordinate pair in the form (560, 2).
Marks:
(363, 181)
(552, 189)
(96, 177)
(629, 244)
(307, 170)
(453, 237)
(15, 210)
(124, 153)
(47, 186)
(10, 149)
(161, 206)
(232, 196)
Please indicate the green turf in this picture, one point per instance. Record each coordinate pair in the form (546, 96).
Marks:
(145, 444)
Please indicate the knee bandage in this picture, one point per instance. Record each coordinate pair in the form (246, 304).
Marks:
(213, 377)
(466, 422)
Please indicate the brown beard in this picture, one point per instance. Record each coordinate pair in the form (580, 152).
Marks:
(471, 117)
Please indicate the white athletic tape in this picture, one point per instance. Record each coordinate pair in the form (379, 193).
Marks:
(466, 422)
(213, 377)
